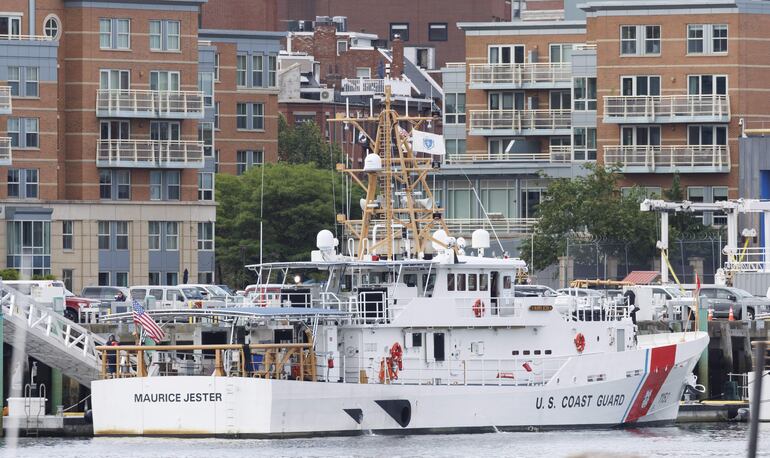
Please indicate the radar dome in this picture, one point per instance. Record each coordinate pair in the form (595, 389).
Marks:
(480, 239)
(372, 163)
(439, 236)
(461, 243)
(325, 240)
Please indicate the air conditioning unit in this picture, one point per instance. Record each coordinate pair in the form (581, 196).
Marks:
(327, 95)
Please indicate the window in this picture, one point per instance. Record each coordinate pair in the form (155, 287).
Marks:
(23, 183)
(706, 135)
(114, 33)
(123, 182)
(272, 65)
(257, 70)
(506, 100)
(216, 67)
(14, 80)
(206, 236)
(66, 278)
(400, 30)
(585, 144)
(719, 194)
(206, 85)
(560, 100)
(206, 278)
(560, 52)
(164, 35)
(250, 116)
(173, 185)
(31, 82)
(257, 116)
(121, 279)
(154, 235)
(640, 135)
(154, 278)
(509, 54)
(172, 278)
(363, 72)
(104, 235)
(29, 247)
(707, 39)
(24, 132)
(121, 235)
(639, 39)
(438, 31)
(164, 130)
(240, 116)
(104, 279)
(640, 85)
(105, 184)
(172, 236)
(247, 159)
(216, 115)
(454, 109)
(707, 84)
(450, 282)
(67, 234)
(24, 81)
(342, 46)
(206, 135)
(455, 147)
(584, 98)
(205, 186)
(114, 79)
(240, 71)
(164, 81)
(51, 27)
(156, 185)
(10, 25)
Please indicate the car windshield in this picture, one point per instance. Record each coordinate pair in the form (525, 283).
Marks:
(226, 289)
(674, 292)
(192, 293)
(742, 293)
(215, 290)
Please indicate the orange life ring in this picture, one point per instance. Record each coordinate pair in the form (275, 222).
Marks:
(478, 308)
(580, 342)
(392, 364)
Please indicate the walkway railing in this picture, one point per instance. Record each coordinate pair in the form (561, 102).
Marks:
(518, 75)
(666, 108)
(652, 156)
(149, 104)
(518, 121)
(150, 153)
(502, 226)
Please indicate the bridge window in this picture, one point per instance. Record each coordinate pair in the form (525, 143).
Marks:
(472, 282)
(460, 282)
(483, 282)
(450, 282)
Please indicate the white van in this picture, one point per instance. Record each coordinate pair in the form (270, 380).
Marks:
(169, 297)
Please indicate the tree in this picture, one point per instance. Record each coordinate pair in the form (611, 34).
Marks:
(298, 204)
(305, 143)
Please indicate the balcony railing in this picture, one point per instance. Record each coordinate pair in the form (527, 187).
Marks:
(368, 86)
(521, 75)
(149, 104)
(556, 155)
(16, 37)
(667, 108)
(502, 226)
(669, 158)
(171, 154)
(5, 100)
(520, 122)
(5, 151)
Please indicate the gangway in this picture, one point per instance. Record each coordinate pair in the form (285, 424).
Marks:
(50, 338)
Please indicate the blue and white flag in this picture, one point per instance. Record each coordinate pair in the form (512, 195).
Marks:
(425, 142)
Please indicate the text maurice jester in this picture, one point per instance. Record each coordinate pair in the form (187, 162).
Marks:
(177, 397)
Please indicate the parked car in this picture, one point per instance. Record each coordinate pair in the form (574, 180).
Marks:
(227, 289)
(170, 297)
(721, 298)
(105, 293)
(72, 303)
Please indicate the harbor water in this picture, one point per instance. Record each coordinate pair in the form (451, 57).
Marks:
(690, 440)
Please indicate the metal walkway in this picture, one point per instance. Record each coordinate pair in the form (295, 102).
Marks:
(50, 338)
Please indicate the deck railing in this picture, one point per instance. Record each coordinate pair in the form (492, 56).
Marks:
(655, 156)
(517, 121)
(521, 74)
(666, 108)
(150, 153)
(149, 104)
(500, 225)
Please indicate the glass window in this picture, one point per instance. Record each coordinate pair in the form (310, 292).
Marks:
(216, 67)
(121, 235)
(472, 282)
(206, 236)
(104, 279)
(14, 80)
(105, 33)
(31, 183)
(164, 35)
(460, 282)
(585, 94)
(14, 131)
(14, 180)
(240, 72)
(719, 38)
(104, 235)
(121, 279)
(206, 85)
(628, 39)
(105, 184)
(342, 46)
(123, 33)
(400, 29)
(31, 82)
(695, 39)
(257, 116)
(154, 235)
(216, 115)
(438, 31)
(173, 35)
(154, 279)
(241, 116)
(652, 39)
(66, 278)
(67, 232)
(174, 185)
(156, 185)
(584, 148)
(123, 179)
(560, 52)
(172, 236)
(272, 66)
(172, 278)
(31, 132)
(719, 194)
(483, 282)
(205, 186)
(51, 27)
(450, 282)
(454, 108)
(206, 135)
(257, 70)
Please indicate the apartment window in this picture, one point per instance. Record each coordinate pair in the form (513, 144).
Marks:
(584, 148)
(560, 52)
(156, 185)
(66, 278)
(216, 67)
(216, 161)
(584, 98)
(67, 234)
(506, 100)
(216, 115)
(560, 100)
(121, 279)
(250, 116)
(29, 247)
(697, 194)
(24, 81)
(123, 182)
(172, 278)
(455, 147)
(241, 116)
(23, 183)
(104, 235)
(272, 66)
(31, 82)
(51, 27)
(639, 39)
(363, 72)
(438, 31)
(640, 85)
(205, 278)
(454, 108)
(206, 236)
(24, 132)
(114, 33)
(172, 236)
(400, 29)
(173, 185)
(14, 81)
(506, 54)
(719, 194)
(105, 184)
(707, 84)
(205, 186)
(154, 278)
(164, 35)
(240, 71)
(257, 70)
(115, 184)
(115, 79)
(104, 279)
(706, 135)
(10, 25)
(342, 46)
(164, 80)
(154, 235)
(206, 85)
(206, 135)
(121, 235)
(706, 38)
(247, 159)
(640, 135)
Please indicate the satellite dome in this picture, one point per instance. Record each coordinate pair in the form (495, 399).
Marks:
(372, 163)
(439, 236)
(480, 239)
(325, 240)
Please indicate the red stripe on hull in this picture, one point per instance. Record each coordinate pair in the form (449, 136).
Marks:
(661, 363)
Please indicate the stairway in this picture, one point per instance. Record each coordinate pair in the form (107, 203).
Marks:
(49, 337)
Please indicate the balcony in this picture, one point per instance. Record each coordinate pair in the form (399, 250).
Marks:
(666, 109)
(5, 100)
(556, 155)
(503, 227)
(520, 122)
(520, 76)
(169, 154)
(5, 151)
(118, 103)
(371, 86)
(669, 158)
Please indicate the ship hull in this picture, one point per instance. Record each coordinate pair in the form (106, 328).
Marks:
(255, 407)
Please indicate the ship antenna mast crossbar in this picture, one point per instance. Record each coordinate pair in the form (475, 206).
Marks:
(401, 171)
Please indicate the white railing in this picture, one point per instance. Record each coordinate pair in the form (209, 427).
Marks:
(5, 100)
(5, 151)
(520, 120)
(560, 154)
(521, 74)
(555, 155)
(17, 37)
(749, 260)
(149, 153)
(652, 156)
(502, 226)
(667, 106)
(149, 104)
(365, 86)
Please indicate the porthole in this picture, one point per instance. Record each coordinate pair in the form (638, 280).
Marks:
(52, 27)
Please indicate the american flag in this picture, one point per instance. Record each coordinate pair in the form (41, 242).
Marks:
(144, 320)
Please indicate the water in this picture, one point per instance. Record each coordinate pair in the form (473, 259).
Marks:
(692, 440)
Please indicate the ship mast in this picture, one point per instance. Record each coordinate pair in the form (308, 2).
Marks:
(392, 190)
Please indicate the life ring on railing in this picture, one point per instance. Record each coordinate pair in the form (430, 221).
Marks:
(392, 364)
(396, 355)
(580, 342)
(478, 308)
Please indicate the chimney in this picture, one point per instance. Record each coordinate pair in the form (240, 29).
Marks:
(397, 50)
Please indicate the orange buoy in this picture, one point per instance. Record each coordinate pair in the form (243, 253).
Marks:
(580, 342)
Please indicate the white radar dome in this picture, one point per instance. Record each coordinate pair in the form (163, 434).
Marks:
(372, 163)
(480, 239)
(439, 236)
(325, 240)
(461, 243)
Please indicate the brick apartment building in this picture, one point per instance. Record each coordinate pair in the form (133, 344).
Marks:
(427, 27)
(109, 151)
(655, 87)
